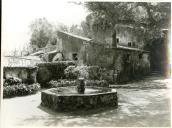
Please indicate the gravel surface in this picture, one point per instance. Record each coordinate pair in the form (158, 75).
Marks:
(137, 108)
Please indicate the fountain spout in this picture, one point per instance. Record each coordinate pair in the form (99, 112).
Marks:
(81, 86)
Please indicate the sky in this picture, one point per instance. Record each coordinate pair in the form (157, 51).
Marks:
(17, 15)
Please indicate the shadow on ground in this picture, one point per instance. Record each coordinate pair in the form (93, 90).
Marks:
(136, 108)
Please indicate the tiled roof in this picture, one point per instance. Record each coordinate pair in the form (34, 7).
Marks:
(75, 36)
(130, 48)
(37, 53)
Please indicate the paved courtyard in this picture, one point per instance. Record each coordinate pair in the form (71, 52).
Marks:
(137, 107)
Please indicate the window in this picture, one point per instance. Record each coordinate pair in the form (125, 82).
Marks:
(75, 56)
(140, 56)
(129, 44)
(117, 40)
(134, 44)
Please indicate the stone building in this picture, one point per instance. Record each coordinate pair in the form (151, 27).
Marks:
(73, 47)
(124, 35)
(120, 54)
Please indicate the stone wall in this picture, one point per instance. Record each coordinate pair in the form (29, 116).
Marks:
(99, 55)
(26, 74)
(122, 65)
(72, 48)
(130, 65)
(124, 33)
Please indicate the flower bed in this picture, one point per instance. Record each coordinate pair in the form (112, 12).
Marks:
(20, 90)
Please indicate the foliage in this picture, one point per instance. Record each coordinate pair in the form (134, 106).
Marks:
(87, 72)
(20, 90)
(43, 32)
(12, 81)
(147, 18)
(98, 83)
(70, 73)
(49, 71)
(62, 27)
(77, 30)
(73, 72)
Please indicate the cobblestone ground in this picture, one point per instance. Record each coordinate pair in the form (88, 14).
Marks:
(138, 106)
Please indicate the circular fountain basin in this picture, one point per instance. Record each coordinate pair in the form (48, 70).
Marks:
(67, 98)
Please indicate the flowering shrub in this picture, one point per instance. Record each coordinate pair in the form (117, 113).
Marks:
(71, 73)
(20, 90)
(87, 72)
(12, 81)
(82, 71)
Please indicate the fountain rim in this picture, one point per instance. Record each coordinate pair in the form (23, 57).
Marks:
(112, 91)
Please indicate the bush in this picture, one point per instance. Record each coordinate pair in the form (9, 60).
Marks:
(12, 81)
(73, 72)
(20, 90)
(70, 72)
(49, 71)
(43, 75)
(98, 83)
(94, 72)
(87, 72)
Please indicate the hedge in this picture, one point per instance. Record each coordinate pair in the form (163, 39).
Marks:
(52, 70)
(20, 90)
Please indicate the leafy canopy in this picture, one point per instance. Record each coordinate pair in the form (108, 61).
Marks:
(42, 32)
(151, 17)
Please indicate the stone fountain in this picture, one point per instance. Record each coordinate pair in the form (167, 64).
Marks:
(78, 97)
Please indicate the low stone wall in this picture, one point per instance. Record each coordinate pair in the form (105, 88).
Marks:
(26, 74)
(72, 102)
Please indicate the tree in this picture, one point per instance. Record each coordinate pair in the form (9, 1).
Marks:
(42, 32)
(147, 18)
(77, 30)
(62, 27)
